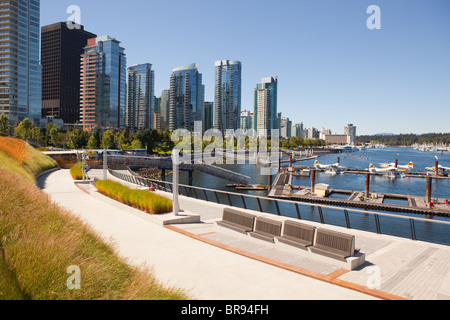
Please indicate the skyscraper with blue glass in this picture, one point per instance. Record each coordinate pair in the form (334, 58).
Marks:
(20, 70)
(186, 97)
(140, 97)
(227, 100)
(103, 84)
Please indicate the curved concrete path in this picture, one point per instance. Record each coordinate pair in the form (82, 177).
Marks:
(205, 271)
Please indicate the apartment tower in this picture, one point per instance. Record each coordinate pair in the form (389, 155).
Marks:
(19, 60)
(140, 97)
(227, 100)
(103, 84)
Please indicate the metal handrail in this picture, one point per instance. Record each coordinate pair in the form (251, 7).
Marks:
(276, 201)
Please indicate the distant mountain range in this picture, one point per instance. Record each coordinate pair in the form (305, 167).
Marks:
(384, 134)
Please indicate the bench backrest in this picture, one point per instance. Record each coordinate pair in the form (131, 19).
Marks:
(299, 231)
(267, 226)
(239, 218)
(335, 241)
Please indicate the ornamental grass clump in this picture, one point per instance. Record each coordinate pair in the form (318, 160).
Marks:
(77, 172)
(140, 199)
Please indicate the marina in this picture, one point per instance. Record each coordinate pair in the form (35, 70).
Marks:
(403, 196)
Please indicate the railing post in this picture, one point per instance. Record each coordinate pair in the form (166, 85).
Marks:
(243, 202)
(377, 223)
(413, 229)
(278, 208)
(347, 219)
(229, 199)
(259, 205)
(322, 221)
(217, 198)
(298, 211)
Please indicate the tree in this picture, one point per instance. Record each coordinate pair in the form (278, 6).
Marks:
(55, 137)
(92, 142)
(77, 139)
(108, 140)
(25, 129)
(4, 126)
(123, 140)
(136, 144)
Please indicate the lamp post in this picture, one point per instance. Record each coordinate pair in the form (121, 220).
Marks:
(105, 165)
(175, 160)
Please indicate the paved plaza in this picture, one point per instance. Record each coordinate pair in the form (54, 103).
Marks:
(214, 263)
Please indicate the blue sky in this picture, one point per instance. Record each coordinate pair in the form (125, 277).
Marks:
(332, 70)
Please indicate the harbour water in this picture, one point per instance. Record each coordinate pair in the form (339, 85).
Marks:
(356, 160)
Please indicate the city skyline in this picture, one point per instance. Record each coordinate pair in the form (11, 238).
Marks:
(332, 69)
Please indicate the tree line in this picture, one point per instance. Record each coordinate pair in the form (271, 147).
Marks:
(406, 139)
(155, 141)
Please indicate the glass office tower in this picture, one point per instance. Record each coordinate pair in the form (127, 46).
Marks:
(20, 70)
(186, 97)
(140, 97)
(227, 101)
(103, 84)
(265, 108)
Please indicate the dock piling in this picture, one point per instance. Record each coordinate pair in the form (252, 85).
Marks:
(367, 189)
(313, 180)
(429, 185)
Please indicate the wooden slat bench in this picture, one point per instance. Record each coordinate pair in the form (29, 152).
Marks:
(266, 229)
(297, 234)
(334, 244)
(237, 220)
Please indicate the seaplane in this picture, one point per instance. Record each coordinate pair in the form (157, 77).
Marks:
(408, 166)
(391, 171)
(440, 168)
(332, 168)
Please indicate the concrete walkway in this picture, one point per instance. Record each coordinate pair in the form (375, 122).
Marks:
(211, 264)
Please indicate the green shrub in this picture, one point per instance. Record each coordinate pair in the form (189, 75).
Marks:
(140, 199)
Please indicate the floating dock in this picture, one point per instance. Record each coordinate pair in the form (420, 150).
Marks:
(282, 188)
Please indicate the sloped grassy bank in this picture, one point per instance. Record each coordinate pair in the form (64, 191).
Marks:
(39, 241)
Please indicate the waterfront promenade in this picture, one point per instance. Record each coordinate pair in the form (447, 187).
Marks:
(214, 264)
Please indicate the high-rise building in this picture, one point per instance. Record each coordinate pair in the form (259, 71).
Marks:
(140, 97)
(265, 114)
(246, 120)
(164, 110)
(20, 70)
(186, 97)
(227, 101)
(157, 114)
(103, 84)
(297, 130)
(313, 133)
(350, 130)
(61, 48)
(324, 133)
(208, 116)
(285, 128)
